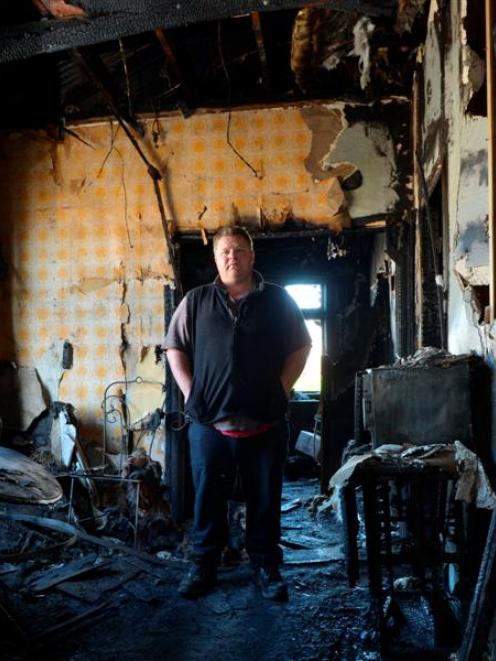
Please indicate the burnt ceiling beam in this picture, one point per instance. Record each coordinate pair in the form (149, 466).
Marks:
(257, 31)
(108, 20)
(173, 71)
(96, 71)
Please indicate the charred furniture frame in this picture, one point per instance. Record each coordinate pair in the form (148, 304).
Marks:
(413, 527)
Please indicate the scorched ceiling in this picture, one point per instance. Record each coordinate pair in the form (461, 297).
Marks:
(62, 62)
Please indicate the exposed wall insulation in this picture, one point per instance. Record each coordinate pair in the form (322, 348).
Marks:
(83, 246)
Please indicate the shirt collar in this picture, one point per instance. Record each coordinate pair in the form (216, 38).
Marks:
(258, 280)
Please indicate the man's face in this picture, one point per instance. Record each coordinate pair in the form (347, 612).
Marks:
(234, 260)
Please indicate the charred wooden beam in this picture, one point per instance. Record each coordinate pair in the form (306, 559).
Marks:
(176, 453)
(350, 533)
(96, 71)
(173, 71)
(110, 19)
(257, 30)
(329, 461)
(482, 608)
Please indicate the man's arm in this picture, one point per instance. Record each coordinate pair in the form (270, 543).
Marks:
(180, 365)
(293, 367)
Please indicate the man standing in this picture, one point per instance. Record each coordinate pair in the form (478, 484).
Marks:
(235, 348)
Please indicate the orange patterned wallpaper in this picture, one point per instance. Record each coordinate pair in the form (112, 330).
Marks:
(83, 241)
(87, 262)
(208, 182)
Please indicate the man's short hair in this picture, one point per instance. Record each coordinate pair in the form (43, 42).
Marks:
(232, 230)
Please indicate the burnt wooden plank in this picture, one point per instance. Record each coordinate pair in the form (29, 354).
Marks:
(68, 529)
(93, 591)
(51, 577)
(482, 608)
(110, 19)
(262, 53)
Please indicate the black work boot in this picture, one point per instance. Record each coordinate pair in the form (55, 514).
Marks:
(271, 583)
(200, 579)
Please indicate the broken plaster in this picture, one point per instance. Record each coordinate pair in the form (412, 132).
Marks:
(50, 371)
(146, 396)
(326, 125)
(465, 333)
(368, 148)
(471, 239)
(473, 74)
(339, 149)
(90, 285)
(472, 248)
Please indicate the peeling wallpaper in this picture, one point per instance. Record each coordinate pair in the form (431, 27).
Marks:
(288, 148)
(368, 144)
(86, 262)
(208, 183)
(82, 238)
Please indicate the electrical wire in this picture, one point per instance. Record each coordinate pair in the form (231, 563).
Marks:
(112, 141)
(126, 75)
(229, 114)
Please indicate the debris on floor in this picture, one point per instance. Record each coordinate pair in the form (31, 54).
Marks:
(78, 596)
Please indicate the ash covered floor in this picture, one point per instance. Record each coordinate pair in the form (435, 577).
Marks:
(128, 608)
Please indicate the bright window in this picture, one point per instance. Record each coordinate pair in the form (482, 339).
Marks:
(310, 300)
(308, 297)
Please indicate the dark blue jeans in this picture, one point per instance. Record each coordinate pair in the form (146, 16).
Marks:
(260, 460)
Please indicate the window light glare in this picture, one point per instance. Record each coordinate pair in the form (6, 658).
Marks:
(307, 297)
